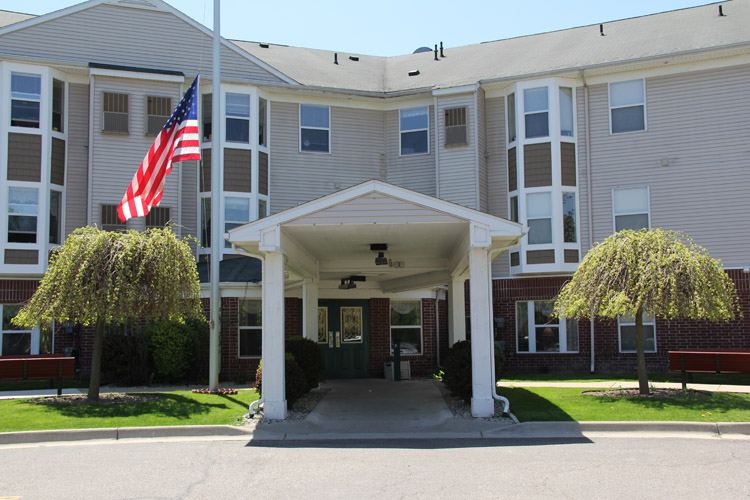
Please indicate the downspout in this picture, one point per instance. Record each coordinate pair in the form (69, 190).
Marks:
(90, 180)
(497, 397)
(589, 191)
(253, 408)
(436, 147)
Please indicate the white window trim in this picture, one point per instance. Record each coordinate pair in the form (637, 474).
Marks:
(610, 107)
(511, 143)
(648, 206)
(562, 331)
(34, 342)
(299, 116)
(646, 322)
(550, 133)
(240, 328)
(427, 129)
(400, 327)
(147, 116)
(568, 245)
(250, 140)
(244, 196)
(107, 90)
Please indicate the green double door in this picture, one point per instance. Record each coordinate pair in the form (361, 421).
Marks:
(343, 336)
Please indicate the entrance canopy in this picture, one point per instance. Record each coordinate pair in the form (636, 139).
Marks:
(426, 242)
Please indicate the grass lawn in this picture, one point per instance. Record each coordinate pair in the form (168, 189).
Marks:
(548, 404)
(698, 378)
(172, 408)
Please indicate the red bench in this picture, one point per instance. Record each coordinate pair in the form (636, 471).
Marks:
(715, 361)
(54, 367)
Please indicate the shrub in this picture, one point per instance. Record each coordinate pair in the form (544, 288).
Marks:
(125, 355)
(173, 346)
(296, 382)
(457, 368)
(309, 357)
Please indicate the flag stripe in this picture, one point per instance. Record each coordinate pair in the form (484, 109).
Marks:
(177, 141)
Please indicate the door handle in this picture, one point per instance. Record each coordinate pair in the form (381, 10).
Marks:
(338, 339)
(330, 339)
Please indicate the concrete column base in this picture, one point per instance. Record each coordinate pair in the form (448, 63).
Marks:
(482, 407)
(274, 410)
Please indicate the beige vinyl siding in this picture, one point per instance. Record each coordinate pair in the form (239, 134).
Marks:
(416, 172)
(116, 157)
(457, 170)
(24, 157)
(77, 165)
(21, 256)
(537, 165)
(497, 171)
(694, 157)
(583, 212)
(129, 37)
(481, 147)
(262, 173)
(356, 147)
(237, 170)
(57, 164)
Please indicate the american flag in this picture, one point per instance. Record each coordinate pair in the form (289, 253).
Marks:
(177, 141)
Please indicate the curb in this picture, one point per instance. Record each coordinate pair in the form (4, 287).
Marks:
(115, 434)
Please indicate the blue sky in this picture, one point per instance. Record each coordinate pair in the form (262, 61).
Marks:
(393, 27)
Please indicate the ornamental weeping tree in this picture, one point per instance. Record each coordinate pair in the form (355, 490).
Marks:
(648, 271)
(101, 276)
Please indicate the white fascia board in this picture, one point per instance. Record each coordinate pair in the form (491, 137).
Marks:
(137, 75)
(464, 89)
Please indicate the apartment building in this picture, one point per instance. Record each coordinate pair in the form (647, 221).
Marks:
(371, 188)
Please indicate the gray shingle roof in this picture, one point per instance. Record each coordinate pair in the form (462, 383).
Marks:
(7, 17)
(666, 34)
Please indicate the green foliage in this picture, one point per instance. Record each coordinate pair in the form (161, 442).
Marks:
(309, 357)
(125, 356)
(106, 276)
(173, 346)
(296, 384)
(457, 368)
(653, 271)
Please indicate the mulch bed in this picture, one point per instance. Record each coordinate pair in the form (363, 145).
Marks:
(109, 398)
(653, 393)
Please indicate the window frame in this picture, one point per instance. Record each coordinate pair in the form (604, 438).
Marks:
(452, 111)
(547, 111)
(41, 208)
(63, 99)
(511, 114)
(646, 322)
(426, 130)
(551, 217)
(127, 96)
(33, 333)
(405, 327)
(38, 100)
(254, 328)
(238, 118)
(170, 109)
(648, 206)
(309, 127)
(235, 223)
(562, 330)
(643, 104)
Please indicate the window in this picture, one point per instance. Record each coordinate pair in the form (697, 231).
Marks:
(206, 119)
(157, 217)
(631, 208)
(206, 222)
(406, 326)
(236, 213)
(315, 128)
(58, 105)
(455, 127)
(626, 326)
(512, 117)
(55, 217)
(15, 340)
(514, 208)
(536, 110)
(23, 208)
(538, 331)
(25, 99)
(414, 127)
(262, 119)
(238, 118)
(158, 111)
(110, 219)
(116, 112)
(262, 209)
(627, 103)
(569, 217)
(250, 327)
(539, 218)
(566, 111)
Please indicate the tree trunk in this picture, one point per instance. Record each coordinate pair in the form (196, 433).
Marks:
(96, 361)
(640, 352)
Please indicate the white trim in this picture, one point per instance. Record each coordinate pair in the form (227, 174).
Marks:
(240, 327)
(404, 327)
(562, 329)
(463, 89)
(137, 75)
(610, 107)
(646, 322)
(426, 129)
(327, 129)
(648, 205)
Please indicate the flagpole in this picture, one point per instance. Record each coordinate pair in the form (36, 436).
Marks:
(213, 365)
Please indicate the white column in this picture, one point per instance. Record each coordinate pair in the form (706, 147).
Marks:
(274, 392)
(482, 404)
(456, 311)
(310, 309)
